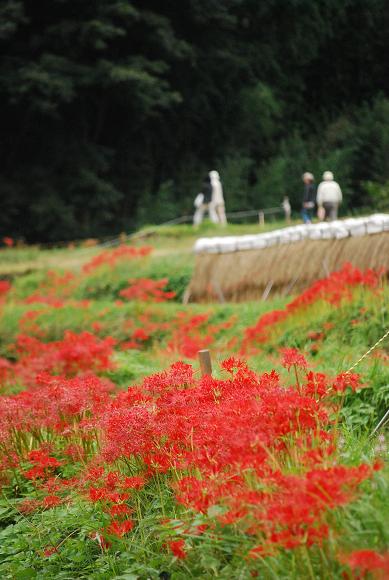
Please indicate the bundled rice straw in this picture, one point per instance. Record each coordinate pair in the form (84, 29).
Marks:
(281, 269)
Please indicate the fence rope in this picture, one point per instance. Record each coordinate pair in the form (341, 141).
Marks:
(369, 351)
(385, 418)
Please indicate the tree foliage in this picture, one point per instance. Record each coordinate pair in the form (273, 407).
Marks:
(112, 110)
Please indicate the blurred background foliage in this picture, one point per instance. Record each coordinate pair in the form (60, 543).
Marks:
(112, 111)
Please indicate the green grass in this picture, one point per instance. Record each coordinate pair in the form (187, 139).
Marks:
(352, 328)
(166, 240)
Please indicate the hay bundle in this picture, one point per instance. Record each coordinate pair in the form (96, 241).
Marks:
(282, 269)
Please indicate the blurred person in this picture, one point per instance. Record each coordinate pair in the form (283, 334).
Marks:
(218, 204)
(203, 203)
(329, 197)
(287, 209)
(309, 196)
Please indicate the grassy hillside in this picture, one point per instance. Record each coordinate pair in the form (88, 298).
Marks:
(109, 472)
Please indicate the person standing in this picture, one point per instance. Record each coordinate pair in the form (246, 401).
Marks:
(287, 209)
(309, 196)
(218, 204)
(203, 203)
(329, 197)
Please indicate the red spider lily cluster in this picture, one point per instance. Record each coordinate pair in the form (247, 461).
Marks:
(75, 354)
(5, 287)
(246, 452)
(147, 290)
(109, 258)
(226, 442)
(193, 333)
(334, 289)
(261, 452)
(54, 288)
(363, 562)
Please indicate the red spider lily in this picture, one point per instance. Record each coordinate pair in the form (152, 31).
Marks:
(74, 354)
(5, 287)
(177, 548)
(147, 290)
(6, 371)
(51, 501)
(28, 506)
(97, 494)
(41, 458)
(94, 474)
(246, 422)
(111, 257)
(61, 406)
(144, 334)
(36, 472)
(42, 464)
(135, 482)
(120, 528)
(317, 385)
(292, 357)
(334, 289)
(75, 452)
(193, 333)
(53, 289)
(120, 510)
(315, 335)
(368, 561)
(346, 380)
(47, 552)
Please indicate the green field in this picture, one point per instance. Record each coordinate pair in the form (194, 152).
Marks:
(67, 315)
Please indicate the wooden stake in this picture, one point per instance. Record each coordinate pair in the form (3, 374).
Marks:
(186, 296)
(261, 218)
(219, 292)
(266, 292)
(205, 362)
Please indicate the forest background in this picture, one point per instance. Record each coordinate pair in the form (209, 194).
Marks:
(112, 111)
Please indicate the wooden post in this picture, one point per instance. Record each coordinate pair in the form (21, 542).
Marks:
(266, 292)
(186, 296)
(205, 362)
(261, 218)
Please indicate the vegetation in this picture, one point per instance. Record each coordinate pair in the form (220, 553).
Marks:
(119, 461)
(111, 112)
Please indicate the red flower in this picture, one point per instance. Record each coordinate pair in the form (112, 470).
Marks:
(292, 357)
(117, 528)
(8, 242)
(29, 506)
(51, 501)
(36, 472)
(120, 510)
(345, 380)
(147, 290)
(47, 552)
(136, 482)
(109, 258)
(177, 548)
(334, 289)
(368, 561)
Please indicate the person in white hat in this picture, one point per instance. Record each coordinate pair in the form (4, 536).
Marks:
(218, 198)
(329, 197)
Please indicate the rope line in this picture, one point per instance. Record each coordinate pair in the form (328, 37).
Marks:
(369, 351)
(385, 418)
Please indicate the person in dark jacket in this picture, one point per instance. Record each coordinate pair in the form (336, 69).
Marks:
(203, 203)
(309, 197)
